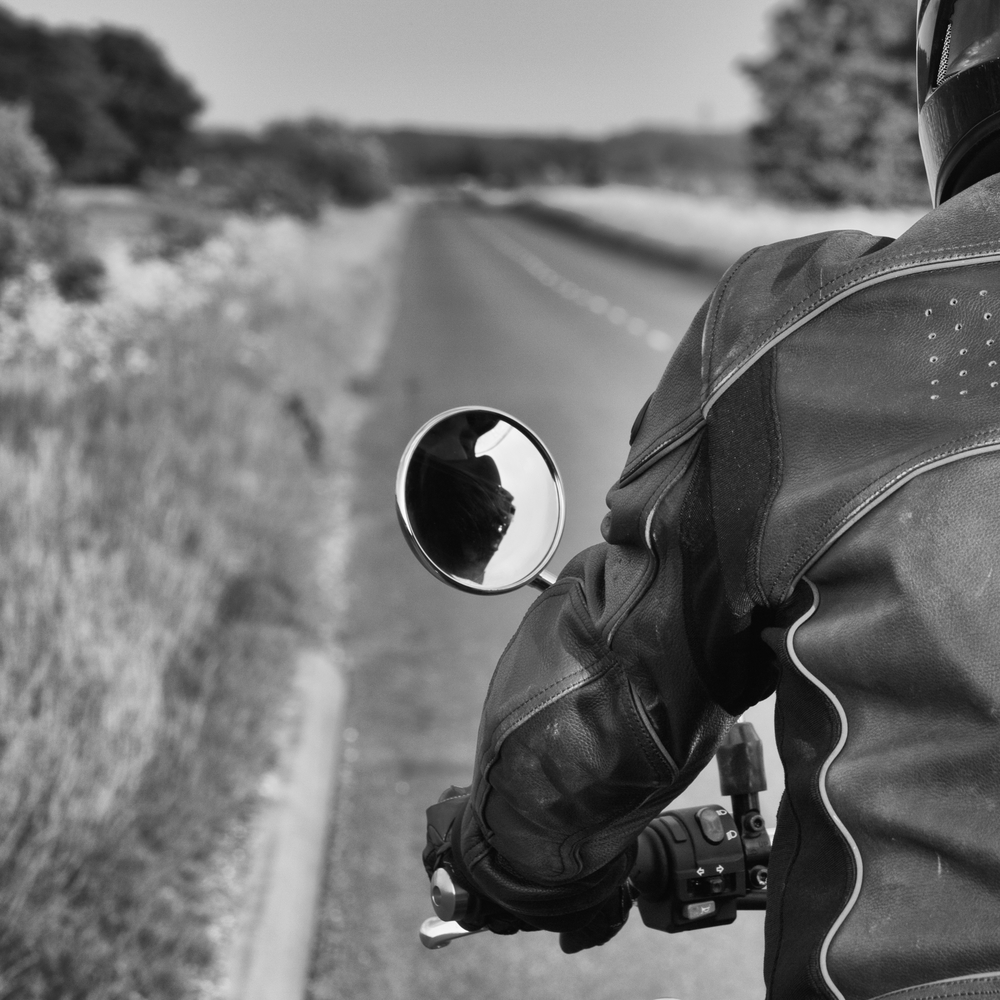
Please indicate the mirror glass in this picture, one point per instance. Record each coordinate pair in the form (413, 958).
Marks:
(480, 500)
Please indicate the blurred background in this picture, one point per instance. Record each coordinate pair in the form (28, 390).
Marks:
(246, 249)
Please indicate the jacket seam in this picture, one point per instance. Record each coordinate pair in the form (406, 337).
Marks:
(706, 337)
(786, 326)
(653, 561)
(688, 426)
(644, 718)
(824, 791)
(856, 505)
(982, 978)
(901, 265)
(708, 334)
(776, 479)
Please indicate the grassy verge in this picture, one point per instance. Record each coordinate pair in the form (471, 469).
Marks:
(715, 227)
(163, 461)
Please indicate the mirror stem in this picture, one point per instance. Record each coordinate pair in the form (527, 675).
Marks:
(543, 581)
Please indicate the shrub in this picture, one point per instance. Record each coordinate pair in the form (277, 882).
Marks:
(14, 246)
(79, 278)
(268, 187)
(26, 170)
(347, 167)
(178, 232)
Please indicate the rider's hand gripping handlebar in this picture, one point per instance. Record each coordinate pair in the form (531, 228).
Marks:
(695, 867)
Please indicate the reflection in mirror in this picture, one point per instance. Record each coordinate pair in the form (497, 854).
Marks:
(480, 500)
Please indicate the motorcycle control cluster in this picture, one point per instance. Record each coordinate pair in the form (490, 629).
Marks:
(695, 867)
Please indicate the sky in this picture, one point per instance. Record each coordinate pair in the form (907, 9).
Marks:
(584, 67)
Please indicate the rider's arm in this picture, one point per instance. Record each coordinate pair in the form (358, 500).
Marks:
(605, 705)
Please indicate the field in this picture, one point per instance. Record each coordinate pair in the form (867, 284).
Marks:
(716, 228)
(169, 460)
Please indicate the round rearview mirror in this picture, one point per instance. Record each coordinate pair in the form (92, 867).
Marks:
(480, 501)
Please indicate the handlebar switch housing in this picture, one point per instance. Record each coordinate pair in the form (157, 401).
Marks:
(690, 869)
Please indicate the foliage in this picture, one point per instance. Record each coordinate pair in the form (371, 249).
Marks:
(79, 278)
(420, 156)
(148, 473)
(145, 98)
(25, 167)
(105, 103)
(291, 167)
(839, 103)
(263, 186)
(349, 168)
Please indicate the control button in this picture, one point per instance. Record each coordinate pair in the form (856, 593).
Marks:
(716, 886)
(676, 828)
(711, 825)
(698, 911)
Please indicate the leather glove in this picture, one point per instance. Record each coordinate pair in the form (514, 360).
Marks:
(444, 822)
(608, 919)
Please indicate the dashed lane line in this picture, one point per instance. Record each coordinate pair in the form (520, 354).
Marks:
(599, 305)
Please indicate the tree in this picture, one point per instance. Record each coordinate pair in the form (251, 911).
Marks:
(347, 167)
(839, 105)
(145, 98)
(105, 103)
(56, 75)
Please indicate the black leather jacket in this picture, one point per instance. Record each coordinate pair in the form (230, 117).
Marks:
(811, 503)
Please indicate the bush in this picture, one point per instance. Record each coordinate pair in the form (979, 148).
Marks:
(26, 170)
(80, 278)
(292, 168)
(178, 232)
(14, 246)
(268, 187)
(347, 167)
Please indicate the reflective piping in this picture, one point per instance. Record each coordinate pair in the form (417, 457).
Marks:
(910, 990)
(872, 502)
(790, 646)
(728, 379)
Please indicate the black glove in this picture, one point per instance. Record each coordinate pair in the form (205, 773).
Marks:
(444, 822)
(608, 919)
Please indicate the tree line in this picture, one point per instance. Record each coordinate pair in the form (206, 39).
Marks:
(837, 124)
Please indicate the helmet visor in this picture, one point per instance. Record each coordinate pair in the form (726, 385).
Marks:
(953, 36)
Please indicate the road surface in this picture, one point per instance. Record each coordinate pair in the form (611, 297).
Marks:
(571, 338)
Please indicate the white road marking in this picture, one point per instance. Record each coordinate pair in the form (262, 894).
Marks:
(599, 305)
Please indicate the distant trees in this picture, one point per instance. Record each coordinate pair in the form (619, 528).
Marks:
(292, 167)
(423, 156)
(106, 103)
(839, 105)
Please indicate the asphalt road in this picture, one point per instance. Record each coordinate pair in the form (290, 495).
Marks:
(572, 339)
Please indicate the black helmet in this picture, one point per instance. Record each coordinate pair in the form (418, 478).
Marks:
(958, 92)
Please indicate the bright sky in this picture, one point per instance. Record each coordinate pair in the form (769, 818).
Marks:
(584, 66)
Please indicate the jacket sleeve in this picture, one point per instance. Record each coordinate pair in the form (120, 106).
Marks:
(598, 715)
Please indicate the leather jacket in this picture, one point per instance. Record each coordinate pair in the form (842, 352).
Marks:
(812, 504)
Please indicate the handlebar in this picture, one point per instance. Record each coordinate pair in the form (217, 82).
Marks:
(694, 868)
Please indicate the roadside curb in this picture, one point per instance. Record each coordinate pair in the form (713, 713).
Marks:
(273, 963)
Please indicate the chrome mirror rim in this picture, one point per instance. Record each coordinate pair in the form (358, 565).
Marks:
(410, 535)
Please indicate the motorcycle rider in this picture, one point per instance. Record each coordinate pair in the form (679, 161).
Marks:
(811, 504)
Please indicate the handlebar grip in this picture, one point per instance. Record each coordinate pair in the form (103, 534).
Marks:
(650, 874)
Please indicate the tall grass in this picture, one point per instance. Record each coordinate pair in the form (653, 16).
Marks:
(159, 518)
